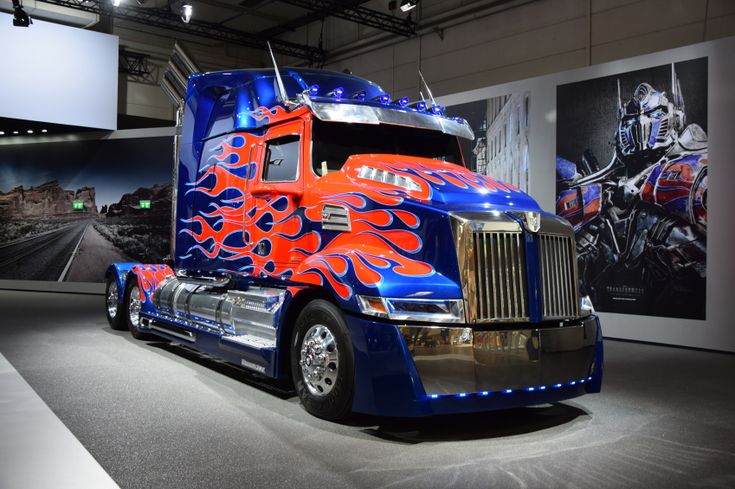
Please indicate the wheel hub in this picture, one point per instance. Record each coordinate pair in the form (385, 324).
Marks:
(134, 306)
(112, 299)
(319, 360)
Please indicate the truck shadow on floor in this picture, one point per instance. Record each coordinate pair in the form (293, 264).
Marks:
(455, 427)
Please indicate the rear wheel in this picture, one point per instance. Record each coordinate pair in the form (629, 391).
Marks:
(114, 311)
(322, 361)
(133, 305)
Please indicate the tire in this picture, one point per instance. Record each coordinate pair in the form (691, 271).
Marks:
(114, 311)
(322, 361)
(132, 311)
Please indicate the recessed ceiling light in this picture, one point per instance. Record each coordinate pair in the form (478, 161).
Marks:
(30, 131)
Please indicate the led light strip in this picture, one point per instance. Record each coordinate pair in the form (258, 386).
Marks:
(510, 391)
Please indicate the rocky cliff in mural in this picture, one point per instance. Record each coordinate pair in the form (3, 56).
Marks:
(47, 201)
(129, 204)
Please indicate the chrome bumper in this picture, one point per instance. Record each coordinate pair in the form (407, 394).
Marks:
(461, 360)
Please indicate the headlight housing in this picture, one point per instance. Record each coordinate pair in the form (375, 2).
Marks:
(585, 306)
(428, 310)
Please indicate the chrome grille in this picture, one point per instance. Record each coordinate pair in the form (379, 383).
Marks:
(499, 276)
(558, 262)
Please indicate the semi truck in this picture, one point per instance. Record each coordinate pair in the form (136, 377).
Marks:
(326, 233)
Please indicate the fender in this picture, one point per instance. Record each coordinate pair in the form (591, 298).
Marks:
(120, 272)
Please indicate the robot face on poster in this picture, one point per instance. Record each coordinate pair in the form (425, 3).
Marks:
(641, 219)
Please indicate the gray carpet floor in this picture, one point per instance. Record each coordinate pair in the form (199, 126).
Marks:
(159, 416)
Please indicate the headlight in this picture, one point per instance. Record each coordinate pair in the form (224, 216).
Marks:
(429, 310)
(585, 306)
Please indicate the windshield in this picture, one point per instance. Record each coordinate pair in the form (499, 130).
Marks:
(334, 142)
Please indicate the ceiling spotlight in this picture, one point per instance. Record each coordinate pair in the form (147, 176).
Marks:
(186, 11)
(407, 5)
(115, 3)
(20, 17)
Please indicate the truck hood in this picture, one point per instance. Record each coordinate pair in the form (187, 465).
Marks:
(431, 182)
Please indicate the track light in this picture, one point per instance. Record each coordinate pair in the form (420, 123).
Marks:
(20, 17)
(186, 11)
(407, 5)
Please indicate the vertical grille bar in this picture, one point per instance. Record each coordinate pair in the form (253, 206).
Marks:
(500, 276)
(558, 276)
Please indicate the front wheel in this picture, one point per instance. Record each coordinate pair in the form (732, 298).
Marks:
(322, 361)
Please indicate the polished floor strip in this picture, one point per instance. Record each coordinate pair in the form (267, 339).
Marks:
(36, 449)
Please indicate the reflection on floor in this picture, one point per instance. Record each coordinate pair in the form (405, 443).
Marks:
(157, 415)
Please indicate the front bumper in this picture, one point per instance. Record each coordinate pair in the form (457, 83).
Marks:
(425, 370)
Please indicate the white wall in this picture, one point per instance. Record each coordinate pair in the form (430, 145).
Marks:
(718, 330)
(58, 74)
(486, 45)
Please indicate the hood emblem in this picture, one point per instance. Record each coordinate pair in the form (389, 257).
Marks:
(531, 220)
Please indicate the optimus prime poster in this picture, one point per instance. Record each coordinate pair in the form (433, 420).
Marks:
(69, 209)
(632, 179)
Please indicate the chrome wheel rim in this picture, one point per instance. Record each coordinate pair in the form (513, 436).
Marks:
(134, 306)
(112, 299)
(319, 360)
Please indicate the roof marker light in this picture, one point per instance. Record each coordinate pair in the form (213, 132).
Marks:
(434, 396)
(421, 106)
(462, 394)
(44, 131)
(589, 378)
(30, 131)
(508, 391)
(542, 388)
(403, 101)
(2, 133)
(574, 382)
(459, 119)
(359, 95)
(338, 92)
(438, 110)
(530, 389)
(557, 385)
(314, 89)
(582, 381)
(484, 393)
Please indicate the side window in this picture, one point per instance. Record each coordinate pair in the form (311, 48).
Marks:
(282, 159)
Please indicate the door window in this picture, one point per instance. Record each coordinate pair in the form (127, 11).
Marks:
(282, 159)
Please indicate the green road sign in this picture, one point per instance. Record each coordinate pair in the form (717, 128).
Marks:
(145, 204)
(77, 206)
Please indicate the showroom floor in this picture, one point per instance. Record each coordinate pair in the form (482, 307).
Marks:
(155, 415)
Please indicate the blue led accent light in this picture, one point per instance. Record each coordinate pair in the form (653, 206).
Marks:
(403, 101)
(509, 391)
(458, 119)
(338, 92)
(438, 110)
(359, 95)
(384, 99)
(421, 106)
(314, 89)
(589, 378)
